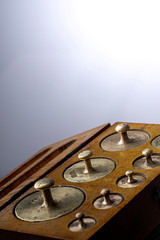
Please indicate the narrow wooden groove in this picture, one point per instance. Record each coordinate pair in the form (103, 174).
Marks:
(32, 168)
(22, 167)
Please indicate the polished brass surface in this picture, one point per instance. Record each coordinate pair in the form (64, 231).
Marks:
(107, 200)
(156, 142)
(124, 139)
(131, 179)
(81, 223)
(66, 199)
(101, 167)
(148, 160)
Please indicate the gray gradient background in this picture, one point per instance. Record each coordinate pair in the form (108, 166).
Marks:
(69, 66)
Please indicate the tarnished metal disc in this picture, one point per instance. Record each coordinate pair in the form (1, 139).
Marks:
(139, 178)
(136, 139)
(101, 166)
(66, 200)
(156, 142)
(142, 164)
(115, 198)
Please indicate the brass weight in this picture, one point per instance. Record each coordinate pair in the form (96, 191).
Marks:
(124, 138)
(48, 202)
(89, 169)
(81, 223)
(131, 179)
(148, 160)
(107, 200)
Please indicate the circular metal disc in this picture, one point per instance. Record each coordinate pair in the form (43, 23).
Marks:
(136, 138)
(101, 166)
(156, 142)
(141, 162)
(75, 226)
(114, 197)
(139, 178)
(66, 200)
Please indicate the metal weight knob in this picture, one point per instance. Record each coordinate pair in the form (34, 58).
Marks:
(122, 128)
(44, 186)
(147, 153)
(130, 174)
(80, 218)
(85, 156)
(106, 198)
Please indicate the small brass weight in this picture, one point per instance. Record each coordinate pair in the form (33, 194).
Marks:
(148, 160)
(107, 200)
(131, 179)
(81, 223)
(48, 202)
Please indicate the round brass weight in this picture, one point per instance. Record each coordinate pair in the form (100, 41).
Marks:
(148, 160)
(89, 169)
(81, 223)
(107, 200)
(58, 201)
(131, 179)
(124, 138)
